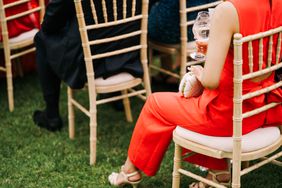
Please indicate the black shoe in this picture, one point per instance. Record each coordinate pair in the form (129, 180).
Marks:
(118, 105)
(51, 124)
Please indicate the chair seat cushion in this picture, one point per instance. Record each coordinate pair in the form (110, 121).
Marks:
(114, 80)
(252, 141)
(24, 36)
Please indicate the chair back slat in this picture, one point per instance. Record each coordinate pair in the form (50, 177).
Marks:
(271, 66)
(94, 13)
(40, 8)
(133, 8)
(278, 48)
(259, 110)
(260, 53)
(270, 47)
(104, 8)
(117, 52)
(124, 7)
(115, 9)
(201, 7)
(261, 91)
(251, 56)
(262, 72)
(116, 38)
(13, 17)
(115, 21)
(9, 5)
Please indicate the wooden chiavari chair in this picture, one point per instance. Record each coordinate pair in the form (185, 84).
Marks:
(123, 82)
(257, 144)
(17, 46)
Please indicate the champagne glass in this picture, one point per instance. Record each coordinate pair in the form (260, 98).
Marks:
(201, 30)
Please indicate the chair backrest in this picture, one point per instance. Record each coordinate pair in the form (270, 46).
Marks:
(21, 9)
(266, 59)
(115, 14)
(184, 23)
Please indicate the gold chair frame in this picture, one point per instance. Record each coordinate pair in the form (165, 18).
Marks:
(127, 88)
(237, 156)
(16, 49)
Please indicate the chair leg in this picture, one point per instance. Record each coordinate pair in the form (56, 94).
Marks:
(71, 116)
(126, 104)
(176, 166)
(236, 169)
(9, 78)
(93, 135)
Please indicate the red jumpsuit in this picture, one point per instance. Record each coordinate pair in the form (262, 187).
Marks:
(210, 113)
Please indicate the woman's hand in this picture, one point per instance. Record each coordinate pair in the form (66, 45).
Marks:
(190, 86)
(198, 71)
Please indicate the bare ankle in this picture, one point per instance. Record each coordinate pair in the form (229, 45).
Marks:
(129, 168)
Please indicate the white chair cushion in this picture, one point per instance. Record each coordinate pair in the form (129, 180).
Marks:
(115, 79)
(24, 36)
(252, 141)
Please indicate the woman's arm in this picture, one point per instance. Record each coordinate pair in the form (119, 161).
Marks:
(224, 24)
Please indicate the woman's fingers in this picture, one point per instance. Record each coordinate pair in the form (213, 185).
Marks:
(197, 70)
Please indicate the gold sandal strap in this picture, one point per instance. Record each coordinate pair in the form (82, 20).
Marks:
(130, 174)
(215, 174)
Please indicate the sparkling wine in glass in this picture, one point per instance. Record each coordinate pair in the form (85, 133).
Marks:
(201, 29)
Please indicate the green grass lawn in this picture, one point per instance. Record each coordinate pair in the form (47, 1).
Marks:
(33, 157)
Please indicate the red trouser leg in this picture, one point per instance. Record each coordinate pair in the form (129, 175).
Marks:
(153, 132)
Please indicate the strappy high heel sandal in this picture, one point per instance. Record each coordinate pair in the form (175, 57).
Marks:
(125, 178)
(214, 178)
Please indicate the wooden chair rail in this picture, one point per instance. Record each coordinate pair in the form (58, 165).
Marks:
(9, 5)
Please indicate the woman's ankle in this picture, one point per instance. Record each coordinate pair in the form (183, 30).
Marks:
(129, 168)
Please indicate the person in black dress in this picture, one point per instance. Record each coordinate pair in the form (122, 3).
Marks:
(59, 55)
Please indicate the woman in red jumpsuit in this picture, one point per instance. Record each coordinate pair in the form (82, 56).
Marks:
(211, 112)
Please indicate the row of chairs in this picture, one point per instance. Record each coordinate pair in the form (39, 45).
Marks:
(236, 152)
(130, 86)
(23, 44)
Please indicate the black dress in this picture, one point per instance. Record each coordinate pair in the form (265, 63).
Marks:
(58, 45)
